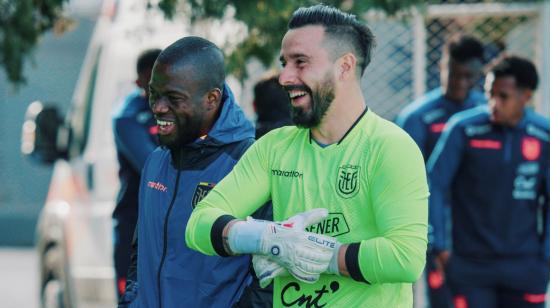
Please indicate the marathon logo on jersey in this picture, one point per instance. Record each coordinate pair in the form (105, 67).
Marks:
(334, 225)
(287, 173)
(437, 128)
(530, 148)
(157, 186)
(201, 191)
(486, 144)
(347, 183)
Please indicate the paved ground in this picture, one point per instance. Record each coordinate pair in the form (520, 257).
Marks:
(19, 277)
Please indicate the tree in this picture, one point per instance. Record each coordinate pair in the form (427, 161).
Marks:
(266, 21)
(24, 21)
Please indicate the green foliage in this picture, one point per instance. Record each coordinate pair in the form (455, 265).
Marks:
(267, 21)
(22, 22)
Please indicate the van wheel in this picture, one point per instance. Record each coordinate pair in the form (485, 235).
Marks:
(52, 291)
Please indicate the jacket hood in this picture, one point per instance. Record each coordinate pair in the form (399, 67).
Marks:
(231, 125)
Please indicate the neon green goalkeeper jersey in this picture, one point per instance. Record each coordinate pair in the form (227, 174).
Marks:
(373, 182)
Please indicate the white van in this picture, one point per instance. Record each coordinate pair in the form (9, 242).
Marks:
(74, 236)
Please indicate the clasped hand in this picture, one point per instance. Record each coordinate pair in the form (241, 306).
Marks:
(286, 247)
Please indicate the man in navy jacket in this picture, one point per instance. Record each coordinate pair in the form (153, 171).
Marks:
(495, 163)
(203, 133)
(425, 119)
(135, 132)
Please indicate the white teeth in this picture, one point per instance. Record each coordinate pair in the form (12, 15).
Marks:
(296, 94)
(164, 123)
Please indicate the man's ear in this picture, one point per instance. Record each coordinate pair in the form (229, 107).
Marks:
(347, 65)
(213, 99)
(525, 96)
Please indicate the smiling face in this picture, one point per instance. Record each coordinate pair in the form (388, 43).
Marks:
(178, 104)
(307, 74)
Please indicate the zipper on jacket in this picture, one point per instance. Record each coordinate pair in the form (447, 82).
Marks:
(508, 145)
(165, 237)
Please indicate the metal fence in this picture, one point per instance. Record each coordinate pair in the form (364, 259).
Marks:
(406, 61)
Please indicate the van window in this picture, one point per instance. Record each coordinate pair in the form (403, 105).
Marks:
(81, 112)
(88, 102)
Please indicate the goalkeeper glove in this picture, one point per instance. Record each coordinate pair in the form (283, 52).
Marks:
(305, 255)
(267, 269)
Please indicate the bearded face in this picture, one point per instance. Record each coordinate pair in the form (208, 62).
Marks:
(320, 96)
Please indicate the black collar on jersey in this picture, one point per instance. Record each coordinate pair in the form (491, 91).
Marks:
(349, 130)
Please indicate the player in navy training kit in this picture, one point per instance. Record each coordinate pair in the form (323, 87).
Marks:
(495, 162)
(425, 119)
(135, 132)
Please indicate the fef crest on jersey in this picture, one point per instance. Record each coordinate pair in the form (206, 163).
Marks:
(203, 188)
(530, 148)
(347, 183)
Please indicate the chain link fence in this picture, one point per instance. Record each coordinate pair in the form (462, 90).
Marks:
(406, 60)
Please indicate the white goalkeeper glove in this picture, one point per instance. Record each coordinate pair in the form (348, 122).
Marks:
(304, 254)
(267, 269)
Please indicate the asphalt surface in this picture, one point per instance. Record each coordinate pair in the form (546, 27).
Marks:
(19, 277)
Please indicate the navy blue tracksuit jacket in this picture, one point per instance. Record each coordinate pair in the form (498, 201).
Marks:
(169, 274)
(425, 118)
(499, 183)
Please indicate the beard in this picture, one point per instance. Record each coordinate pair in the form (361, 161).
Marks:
(187, 131)
(321, 99)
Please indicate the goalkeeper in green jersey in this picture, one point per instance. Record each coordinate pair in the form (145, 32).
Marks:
(349, 188)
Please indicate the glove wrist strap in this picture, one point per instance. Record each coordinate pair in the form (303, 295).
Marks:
(333, 267)
(245, 236)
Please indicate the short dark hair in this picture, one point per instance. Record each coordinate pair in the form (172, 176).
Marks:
(463, 48)
(348, 34)
(146, 60)
(202, 56)
(271, 100)
(523, 70)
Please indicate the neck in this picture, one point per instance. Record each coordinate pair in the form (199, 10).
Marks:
(453, 100)
(209, 120)
(341, 115)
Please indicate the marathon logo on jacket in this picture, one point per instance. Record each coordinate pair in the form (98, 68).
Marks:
(201, 191)
(530, 148)
(347, 183)
(433, 115)
(157, 186)
(476, 130)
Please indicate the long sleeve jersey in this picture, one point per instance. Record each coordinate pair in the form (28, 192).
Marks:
(373, 183)
(498, 180)
(425, 118)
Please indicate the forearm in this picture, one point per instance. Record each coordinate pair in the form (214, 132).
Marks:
(204, 231)
(383, 260)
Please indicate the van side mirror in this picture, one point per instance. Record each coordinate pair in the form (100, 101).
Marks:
(42, 134)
